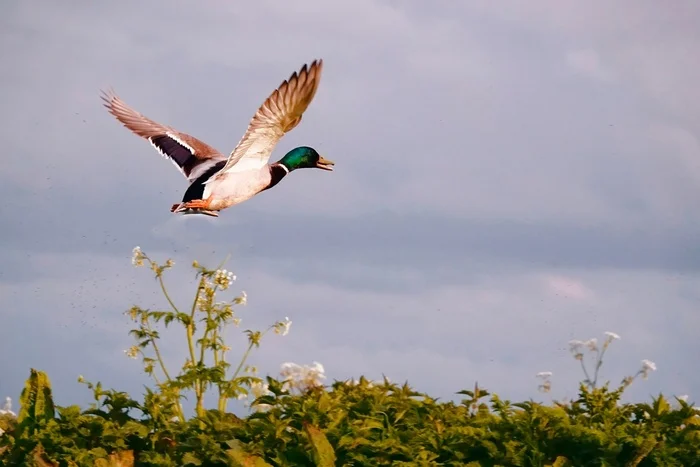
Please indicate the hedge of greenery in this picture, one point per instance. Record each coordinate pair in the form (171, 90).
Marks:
(296, 420)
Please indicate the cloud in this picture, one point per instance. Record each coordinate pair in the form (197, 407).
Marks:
(587, 61)
(487, 206)
(567, 287)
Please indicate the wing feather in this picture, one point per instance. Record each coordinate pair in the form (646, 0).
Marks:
(279, 114)
(189, 154)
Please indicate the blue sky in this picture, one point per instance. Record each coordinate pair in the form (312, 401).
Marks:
(508, 177)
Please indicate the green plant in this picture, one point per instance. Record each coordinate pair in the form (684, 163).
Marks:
(300, 421)
(204, 323)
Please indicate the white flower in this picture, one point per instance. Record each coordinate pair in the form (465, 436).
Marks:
(546, 385)
(302, 377)
(132, 352)
(648, 365)
(683, 398)
(592, 344)
(612, 335)
(7, 408)
(260, 389)
(575, 345)
(137, 257)
(282, 327)
(242, 299)
(223, 278)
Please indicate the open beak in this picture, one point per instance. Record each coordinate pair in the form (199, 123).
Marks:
(325, 164)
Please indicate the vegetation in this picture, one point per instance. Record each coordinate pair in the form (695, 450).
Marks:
(296, 420)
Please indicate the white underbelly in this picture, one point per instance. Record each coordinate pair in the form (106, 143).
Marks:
(236, 188)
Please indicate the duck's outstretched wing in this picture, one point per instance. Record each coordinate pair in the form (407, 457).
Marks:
(190, 155)
(279, 114)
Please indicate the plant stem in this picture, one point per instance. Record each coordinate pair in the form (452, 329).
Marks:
(223, 401)
(156, 350)
(190, 327)
(585, 372)
(165, 292)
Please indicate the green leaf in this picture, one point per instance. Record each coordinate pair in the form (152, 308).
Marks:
(190, 459)
(237, 457)
(324, 456)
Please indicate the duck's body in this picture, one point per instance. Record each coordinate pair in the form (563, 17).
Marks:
(217, 181)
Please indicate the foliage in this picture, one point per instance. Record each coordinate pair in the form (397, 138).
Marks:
(298, 421)
(206, 365)
(370, 424)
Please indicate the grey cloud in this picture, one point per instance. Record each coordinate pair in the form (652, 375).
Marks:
(471, 160)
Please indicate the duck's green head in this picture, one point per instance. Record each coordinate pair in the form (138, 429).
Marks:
(305, 157)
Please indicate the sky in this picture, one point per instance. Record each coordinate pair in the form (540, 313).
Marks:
(508, 177)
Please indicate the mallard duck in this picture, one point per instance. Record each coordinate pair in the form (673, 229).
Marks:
(216, 181)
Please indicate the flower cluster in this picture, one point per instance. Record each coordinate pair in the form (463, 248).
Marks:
(301, 377)
(259, 389)
(576, 346)
(7, 410)
(647, 366)
(137, 257)
(133, 352)
(223, 278)
(546, 384)
(282, 327)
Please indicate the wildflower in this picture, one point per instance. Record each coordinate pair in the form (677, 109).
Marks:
(202, 298)
(223, 278)
(236, 321)
(132, 352)
(282, 327)
(546, 385)
(169, 263)
(647, 366)
(611, 335)
(683, 398)
(575, 345)
(302, 377)
(7, 408)
(260, 389)
(137, 257)
(242, 299)
(575, 348)
(592, 344)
